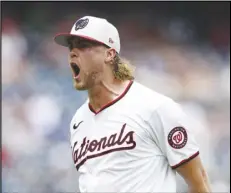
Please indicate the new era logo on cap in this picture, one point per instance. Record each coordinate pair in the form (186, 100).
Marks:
(111, 41)
(95, 29)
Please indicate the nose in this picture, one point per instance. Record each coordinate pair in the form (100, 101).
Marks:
(73, 54)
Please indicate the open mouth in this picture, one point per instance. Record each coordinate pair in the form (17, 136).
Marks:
(76, 70)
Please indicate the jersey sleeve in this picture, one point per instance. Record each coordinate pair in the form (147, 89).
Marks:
(172, 130)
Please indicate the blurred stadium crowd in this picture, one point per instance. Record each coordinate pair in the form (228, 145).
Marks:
(181, 50)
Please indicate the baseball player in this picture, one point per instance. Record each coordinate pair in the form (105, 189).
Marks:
(125, 137)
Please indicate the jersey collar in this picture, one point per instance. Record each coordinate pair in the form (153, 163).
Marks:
(112, 102)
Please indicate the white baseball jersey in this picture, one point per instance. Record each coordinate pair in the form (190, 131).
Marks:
(133, 144)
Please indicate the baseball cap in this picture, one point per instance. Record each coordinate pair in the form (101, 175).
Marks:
(94, 29)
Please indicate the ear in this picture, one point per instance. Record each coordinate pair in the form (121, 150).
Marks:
(110, 55)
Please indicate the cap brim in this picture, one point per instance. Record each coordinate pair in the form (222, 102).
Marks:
(62, 39)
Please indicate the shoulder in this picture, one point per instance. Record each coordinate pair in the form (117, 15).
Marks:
(147, 98)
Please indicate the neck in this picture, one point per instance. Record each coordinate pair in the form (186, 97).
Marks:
(105, 92)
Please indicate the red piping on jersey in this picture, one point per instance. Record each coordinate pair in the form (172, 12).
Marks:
(112, 102)
(185, 160)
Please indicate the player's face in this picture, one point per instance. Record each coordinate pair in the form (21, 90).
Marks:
(86, 59)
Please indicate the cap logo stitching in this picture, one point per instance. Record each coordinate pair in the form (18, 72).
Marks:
(80, 24)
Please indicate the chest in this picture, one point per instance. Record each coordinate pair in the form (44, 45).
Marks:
(109, 138)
